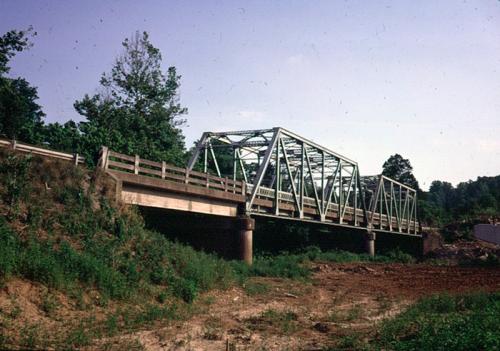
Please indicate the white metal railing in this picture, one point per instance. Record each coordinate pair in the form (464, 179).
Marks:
(37, 150)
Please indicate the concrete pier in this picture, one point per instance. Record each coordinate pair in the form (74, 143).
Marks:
(370, 243)
(244, 227)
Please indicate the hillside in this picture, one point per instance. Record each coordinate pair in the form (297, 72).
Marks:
(64, 241)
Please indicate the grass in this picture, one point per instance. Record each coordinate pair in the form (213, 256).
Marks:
(296, 265)
(445, 322)
(284, 322)
(256, 288)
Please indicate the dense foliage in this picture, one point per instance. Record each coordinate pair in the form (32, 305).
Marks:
(465, 204)
(136, 110)
(20, 115)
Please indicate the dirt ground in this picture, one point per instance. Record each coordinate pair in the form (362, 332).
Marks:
(341, 299)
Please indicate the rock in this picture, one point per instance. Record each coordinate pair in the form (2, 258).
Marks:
(483, 257)
(322, 327)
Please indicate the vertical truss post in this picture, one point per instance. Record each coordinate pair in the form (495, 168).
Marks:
(205, 160)
(400, 216)
(415, 215)
(302, 178)
(390, 210)
(278, 180)
(355, 175)
(234, 164)
(323, 182)
(341, 194)
(382, 191)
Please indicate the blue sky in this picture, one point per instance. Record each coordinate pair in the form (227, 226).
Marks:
(364, 78)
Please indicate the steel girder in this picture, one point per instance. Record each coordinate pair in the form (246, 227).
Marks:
(299, 178)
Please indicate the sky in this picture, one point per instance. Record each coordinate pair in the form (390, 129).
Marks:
(367, 79)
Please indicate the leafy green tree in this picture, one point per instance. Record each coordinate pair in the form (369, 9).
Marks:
(11, 43)
(63, 137)
(20, 116)
(137, 110)
(400, 169)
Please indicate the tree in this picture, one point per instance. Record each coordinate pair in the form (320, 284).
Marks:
(400, 169)
(442, 194)
(137, 110)
(63, 137)
(20, 116)
(12, 42)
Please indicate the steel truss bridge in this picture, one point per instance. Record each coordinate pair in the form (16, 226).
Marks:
(287, 176)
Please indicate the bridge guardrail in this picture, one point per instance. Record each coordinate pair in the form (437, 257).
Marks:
(37, 150)
(115, 161)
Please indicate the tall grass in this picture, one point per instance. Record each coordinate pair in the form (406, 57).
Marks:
(445, 322)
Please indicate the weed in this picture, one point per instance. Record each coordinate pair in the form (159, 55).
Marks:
(335, 316)
(350, 342)
(14, 176)
(30, 336)
(212, 328)
(354, 313)
(4, 340)
(255, 288)
(49, 303)
(284, 321)
(15, 312)
(111, 324)
(78, 337)
(162, 297)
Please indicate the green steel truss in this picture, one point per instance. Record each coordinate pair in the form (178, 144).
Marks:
(290, 176)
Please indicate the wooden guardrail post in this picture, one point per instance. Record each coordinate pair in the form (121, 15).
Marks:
(243, 187)
(186, 178)
(14, 144)
(136, 164)
(163, 169)
(226, 186)
(103, 161)
(76, 159)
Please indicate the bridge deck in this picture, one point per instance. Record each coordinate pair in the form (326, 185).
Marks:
(143, 181)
